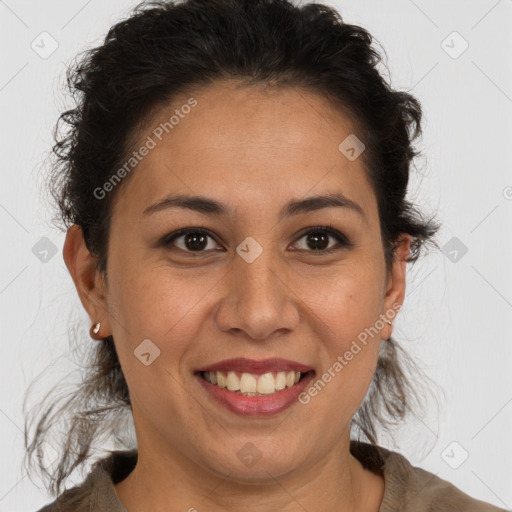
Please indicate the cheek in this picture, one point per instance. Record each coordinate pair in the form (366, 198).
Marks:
(346, 305)
(158, 305)
(171, 309)
(347, 327)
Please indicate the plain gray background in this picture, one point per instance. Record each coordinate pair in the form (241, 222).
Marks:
(454, 56)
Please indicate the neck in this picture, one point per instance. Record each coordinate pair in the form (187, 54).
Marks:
(337, 482)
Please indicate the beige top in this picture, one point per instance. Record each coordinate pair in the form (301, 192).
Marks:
(406, 488)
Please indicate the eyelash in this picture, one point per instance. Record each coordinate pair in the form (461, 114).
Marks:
(343, 242)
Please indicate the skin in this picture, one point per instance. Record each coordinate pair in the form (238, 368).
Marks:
(255, 152)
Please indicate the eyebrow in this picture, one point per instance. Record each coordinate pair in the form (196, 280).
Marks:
(207, 206)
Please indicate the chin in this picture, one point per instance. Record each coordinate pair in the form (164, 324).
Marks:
(249, 464)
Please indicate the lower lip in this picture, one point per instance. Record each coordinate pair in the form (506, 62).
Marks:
(264, 405)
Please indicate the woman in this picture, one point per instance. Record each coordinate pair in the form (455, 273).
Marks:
(233, 180)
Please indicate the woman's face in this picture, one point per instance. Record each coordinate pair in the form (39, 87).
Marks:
(253, 287)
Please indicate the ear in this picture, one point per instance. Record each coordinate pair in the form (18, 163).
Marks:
(89, 282)
(395, 283)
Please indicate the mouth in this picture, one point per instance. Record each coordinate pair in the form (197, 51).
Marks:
(255, 388)
(250, 384)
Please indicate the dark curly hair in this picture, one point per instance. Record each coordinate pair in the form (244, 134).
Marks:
(166, 48)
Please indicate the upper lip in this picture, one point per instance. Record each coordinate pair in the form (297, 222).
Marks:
(242, 364)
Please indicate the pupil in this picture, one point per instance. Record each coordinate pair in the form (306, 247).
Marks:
(318, 238)
(195, 241)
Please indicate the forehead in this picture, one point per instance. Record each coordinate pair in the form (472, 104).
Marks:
(249, 147)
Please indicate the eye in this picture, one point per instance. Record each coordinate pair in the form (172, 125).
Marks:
(317, 239)
(195, 240)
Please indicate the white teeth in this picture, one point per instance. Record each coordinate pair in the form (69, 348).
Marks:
(280, 381)
(250, 384)
(266, 384)
(232, 382)
(221, 380)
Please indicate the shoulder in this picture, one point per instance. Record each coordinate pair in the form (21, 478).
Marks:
(409, 488)
(425, 491)
(96, 492)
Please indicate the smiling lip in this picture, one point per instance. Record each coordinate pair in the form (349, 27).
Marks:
(242, 364)
(265, 405)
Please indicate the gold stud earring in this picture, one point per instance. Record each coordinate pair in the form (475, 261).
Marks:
(95, 329)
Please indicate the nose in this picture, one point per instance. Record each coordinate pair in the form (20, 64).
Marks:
(258, 300)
